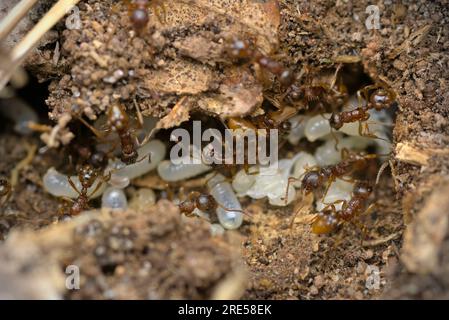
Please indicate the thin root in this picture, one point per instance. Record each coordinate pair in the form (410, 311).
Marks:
(31, 151)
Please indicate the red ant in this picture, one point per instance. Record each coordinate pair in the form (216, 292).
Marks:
(201, 201)
(5, 191)
(268, 121)
(118, 121)
(316, 178)
(87, 176)
(245, 51)
(380, 99)
(329, 93)
(138, 12)
(329, 218)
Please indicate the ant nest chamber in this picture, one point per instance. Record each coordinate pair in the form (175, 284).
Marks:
(116, 149)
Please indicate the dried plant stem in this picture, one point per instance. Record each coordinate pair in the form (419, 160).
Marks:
(13, 18)
(46, 23)
(19, 53)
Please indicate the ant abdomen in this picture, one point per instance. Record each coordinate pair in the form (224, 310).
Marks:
(325, 222)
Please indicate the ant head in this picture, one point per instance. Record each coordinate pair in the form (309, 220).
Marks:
(139, 18)
(311, 181)
(240, 49)
(287, 78)
(362, 189)
(205, 202)
(87, 175)
(186, 207)
(335, 121)
(382, 98)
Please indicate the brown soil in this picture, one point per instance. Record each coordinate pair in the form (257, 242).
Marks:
(158, 254)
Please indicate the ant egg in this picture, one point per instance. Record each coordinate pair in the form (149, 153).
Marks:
(171, 172)
(339, 190)
(149, 156)
(216, 230)
(142, 199)
(317, 127)
(242, 182)
(57, 184)
(222, 192)
(114, 198)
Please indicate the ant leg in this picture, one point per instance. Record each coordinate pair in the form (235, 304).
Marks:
(72, 184)
(295, 215)
(97, 133)
(6, 199)
(147, 137)
(178, 105)
(290, 180)
(345, 154)
(381, 170)
(334, 79)
(139, 113)
(362, 226)
(327, 188)
(99, 184)
(336, 139)
(234, 210)
(365, 132)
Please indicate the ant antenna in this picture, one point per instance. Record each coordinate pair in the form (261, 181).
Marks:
(234, 210)
(381, 170)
